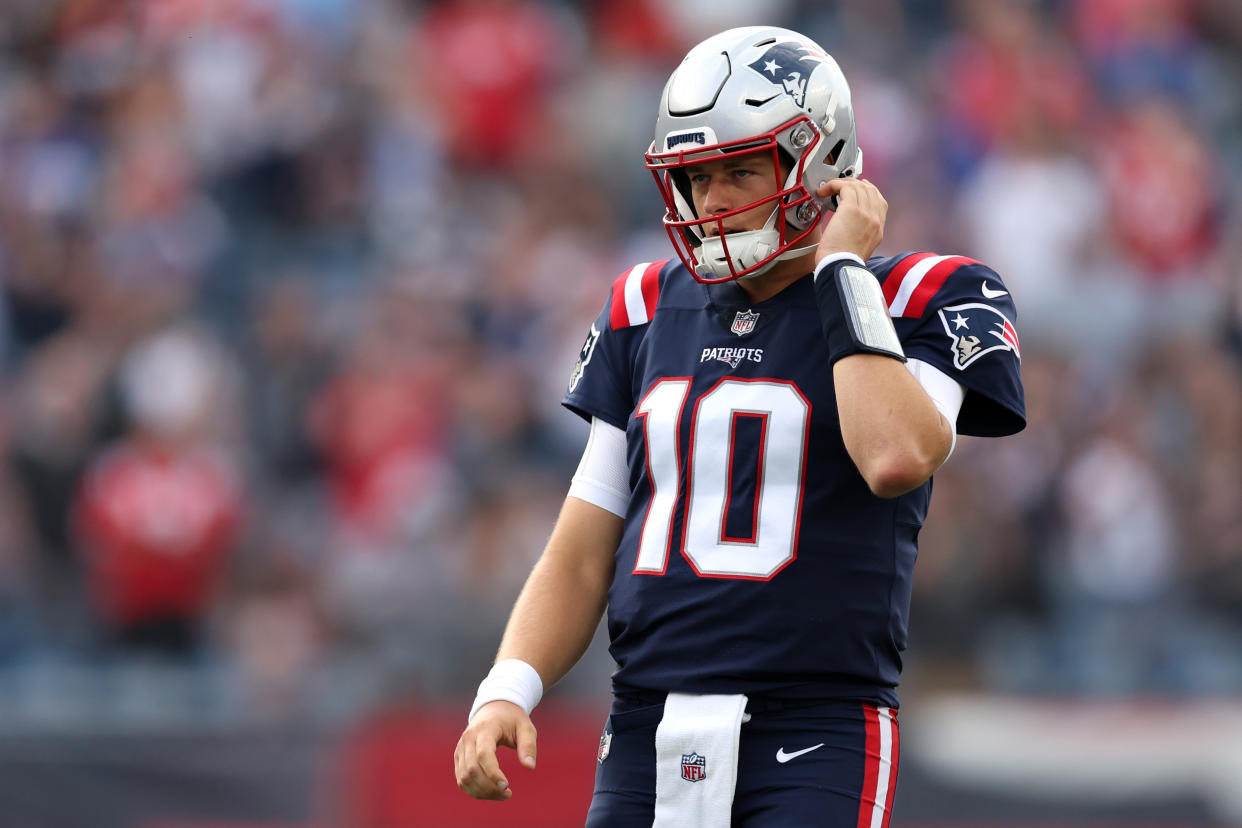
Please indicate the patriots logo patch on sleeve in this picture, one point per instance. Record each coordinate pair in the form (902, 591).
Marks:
(584, 359)
(976, 329)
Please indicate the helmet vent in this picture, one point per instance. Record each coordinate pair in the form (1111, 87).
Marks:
(758, 102)
(767, 42)
(695, 86)
(835, 152)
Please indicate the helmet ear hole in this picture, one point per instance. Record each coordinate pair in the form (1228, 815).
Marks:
(834, 153)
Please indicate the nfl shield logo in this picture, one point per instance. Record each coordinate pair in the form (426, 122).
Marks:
(693, 767)
(744, 322)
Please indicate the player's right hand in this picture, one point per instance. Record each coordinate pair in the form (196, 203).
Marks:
(857, 226)
(474, 760)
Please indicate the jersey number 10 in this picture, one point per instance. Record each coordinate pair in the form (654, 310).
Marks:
(784, 416)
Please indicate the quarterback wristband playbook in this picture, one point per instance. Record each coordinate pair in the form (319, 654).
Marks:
(853, 311)
(511, 680)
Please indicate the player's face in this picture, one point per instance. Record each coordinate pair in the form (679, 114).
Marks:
(726, 184)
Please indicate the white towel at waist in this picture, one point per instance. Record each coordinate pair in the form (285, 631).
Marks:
(696, 760)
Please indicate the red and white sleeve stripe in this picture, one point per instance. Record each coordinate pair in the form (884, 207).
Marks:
(634, 295)
(916, 279)
(880, 775)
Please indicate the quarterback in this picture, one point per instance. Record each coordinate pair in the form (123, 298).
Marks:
(767, 409)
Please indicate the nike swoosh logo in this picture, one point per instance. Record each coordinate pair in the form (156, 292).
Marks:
(993, 294)
(783, 757)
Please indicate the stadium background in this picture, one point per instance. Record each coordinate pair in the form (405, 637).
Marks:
(291, 289)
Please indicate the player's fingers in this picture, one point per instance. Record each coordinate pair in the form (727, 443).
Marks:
(863, 196)
(863, 192)
(874, 197)
(465, 768)
(832, 188)
(872, 202)
(470, 765)
(493, 778)
(840, 185)
(526, 739)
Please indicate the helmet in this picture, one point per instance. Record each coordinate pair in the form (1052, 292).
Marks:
(746, 90)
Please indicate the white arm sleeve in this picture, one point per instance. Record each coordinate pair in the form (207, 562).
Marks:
(946, 392)
(603, 475)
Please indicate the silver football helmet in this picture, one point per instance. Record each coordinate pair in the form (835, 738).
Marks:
(753, 89)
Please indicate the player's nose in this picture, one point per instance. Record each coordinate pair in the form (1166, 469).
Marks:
(715, 198)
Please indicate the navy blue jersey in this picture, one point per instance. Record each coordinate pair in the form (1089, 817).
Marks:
(754, 557)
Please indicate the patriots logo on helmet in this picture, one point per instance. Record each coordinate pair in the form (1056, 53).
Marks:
(789, 66)
(977, 329)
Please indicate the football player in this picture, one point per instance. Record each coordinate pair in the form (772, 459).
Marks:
(766, 410)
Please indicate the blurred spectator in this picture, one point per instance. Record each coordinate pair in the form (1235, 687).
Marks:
(1032, 210)
(159, 511)
(489, 65)
(1204, 463)
(382, 424)
(276, 636)
(1139, 48)
(1004, 73)
(290, 359)
(1160, 180)
(57, 422)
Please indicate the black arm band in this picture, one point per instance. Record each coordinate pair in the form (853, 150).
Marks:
(854, 313)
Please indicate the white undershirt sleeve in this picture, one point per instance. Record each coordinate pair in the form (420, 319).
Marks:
(946, 392)
(603, 474)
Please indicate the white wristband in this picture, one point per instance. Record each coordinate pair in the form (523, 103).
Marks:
(511, 680)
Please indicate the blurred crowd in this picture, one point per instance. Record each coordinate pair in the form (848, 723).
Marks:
(291, 290)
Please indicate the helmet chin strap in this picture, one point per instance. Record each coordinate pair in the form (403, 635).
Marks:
(746, 248)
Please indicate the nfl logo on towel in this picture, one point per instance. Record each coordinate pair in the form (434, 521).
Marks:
(693, 767)
(744, 322)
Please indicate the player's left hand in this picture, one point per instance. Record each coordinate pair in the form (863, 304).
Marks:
(858, 224)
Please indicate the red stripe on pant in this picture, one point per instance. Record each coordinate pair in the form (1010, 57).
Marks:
(893, 764)
(880, 765)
